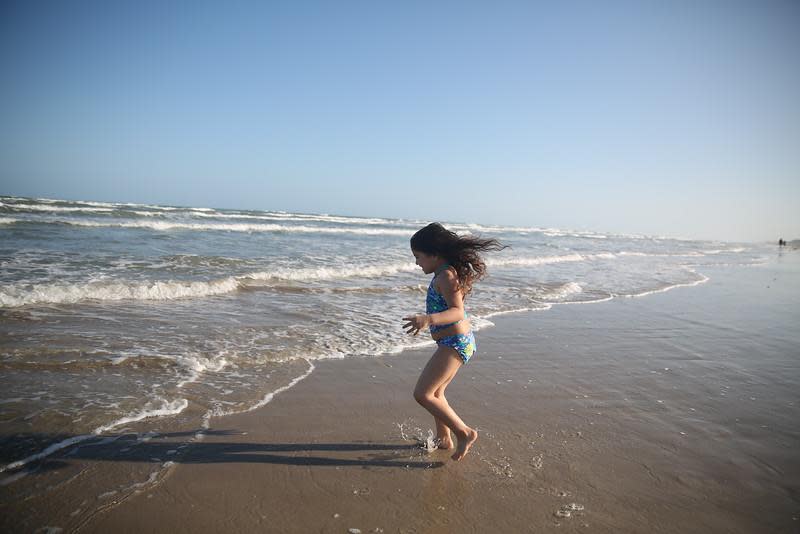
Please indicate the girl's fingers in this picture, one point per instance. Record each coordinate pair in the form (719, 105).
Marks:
(411, 326)
(412, 330)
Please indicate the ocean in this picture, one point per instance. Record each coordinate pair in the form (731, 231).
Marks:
(120, 317)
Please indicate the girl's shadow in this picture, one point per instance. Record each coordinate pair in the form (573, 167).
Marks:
(129, 448)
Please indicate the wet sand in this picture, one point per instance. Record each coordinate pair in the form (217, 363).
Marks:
(676, 412)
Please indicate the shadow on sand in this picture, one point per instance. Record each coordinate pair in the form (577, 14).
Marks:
(169, 447)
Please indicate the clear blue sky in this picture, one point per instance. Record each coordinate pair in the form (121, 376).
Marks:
(677, 118)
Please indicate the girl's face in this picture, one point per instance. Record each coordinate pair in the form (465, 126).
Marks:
(428, 262)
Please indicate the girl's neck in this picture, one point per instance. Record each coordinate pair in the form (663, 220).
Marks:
(444, 265)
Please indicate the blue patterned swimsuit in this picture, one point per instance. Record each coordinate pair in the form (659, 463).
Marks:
(464, 344)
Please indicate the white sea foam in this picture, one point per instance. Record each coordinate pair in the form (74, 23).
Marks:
(563, 291)
(331, 273)
(39, 207)
(477, 228)
(646, 254)
(113, 205)
(724, 250)
(690, 254)
(298, 217)
(550, 232)
(8, 220)
(61, 293)
(197, 365)
(229, 227)
(703, 279)
(137, 205)
(542, 307)
(219, 411)
(592, 301)
(158, 408)
(575, 234)
(14, 295)
(544, 260)
(146, 213)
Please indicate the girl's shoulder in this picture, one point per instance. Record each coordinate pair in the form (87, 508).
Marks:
(448, 276)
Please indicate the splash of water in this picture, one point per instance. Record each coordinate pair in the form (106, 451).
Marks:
(426, 442)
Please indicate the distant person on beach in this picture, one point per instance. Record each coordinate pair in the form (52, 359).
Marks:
(456, 263)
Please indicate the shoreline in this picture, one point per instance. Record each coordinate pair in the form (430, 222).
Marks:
(420, 345)
(616, 445)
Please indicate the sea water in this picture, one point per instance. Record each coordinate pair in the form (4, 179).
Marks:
(113, 313)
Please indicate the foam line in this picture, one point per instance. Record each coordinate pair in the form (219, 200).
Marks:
(167, 408)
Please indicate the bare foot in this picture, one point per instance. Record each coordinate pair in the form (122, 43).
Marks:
(464, 444)
(444, 443)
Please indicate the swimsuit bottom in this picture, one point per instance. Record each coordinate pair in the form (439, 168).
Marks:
(464, 344)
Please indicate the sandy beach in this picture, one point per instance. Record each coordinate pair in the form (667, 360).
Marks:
(676, 412)
(214, 217)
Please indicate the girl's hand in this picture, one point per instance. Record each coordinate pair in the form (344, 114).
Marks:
(416, 323)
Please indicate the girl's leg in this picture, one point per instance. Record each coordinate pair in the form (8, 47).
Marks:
(444, 363)
(442, 432)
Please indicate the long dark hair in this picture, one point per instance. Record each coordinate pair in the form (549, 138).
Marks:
(462, 252)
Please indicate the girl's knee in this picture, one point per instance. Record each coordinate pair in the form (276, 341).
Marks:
(422, 396)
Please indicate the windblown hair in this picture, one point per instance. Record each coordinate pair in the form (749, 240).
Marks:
(462, 252)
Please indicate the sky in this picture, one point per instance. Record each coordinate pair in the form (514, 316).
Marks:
(677, 118)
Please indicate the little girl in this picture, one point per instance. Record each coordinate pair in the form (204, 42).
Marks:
(456, 264)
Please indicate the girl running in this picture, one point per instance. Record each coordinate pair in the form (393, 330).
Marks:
(456, 263)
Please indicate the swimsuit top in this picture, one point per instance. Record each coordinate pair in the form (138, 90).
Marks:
(435, 303)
